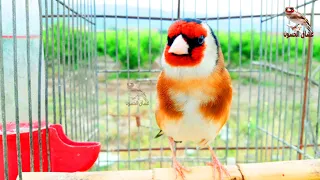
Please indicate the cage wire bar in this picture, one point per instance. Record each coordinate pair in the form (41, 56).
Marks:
(86, 76)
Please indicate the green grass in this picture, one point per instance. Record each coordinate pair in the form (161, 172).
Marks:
(281, 50)
(68, 45)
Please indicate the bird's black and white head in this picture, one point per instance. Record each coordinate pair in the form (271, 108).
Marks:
(192, 49)
(289, 10)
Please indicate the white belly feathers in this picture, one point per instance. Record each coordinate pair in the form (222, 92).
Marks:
(193, 126)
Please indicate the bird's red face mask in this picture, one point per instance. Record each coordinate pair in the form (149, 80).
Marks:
(186, 43)
(289, 10)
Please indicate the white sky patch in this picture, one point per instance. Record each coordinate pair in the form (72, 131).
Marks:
(213, 7)
(216, 8)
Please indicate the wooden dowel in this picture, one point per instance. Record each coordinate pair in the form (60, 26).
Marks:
(197, 173)
(285, 170)
(103, 175)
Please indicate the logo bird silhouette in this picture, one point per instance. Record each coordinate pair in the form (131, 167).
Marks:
(296, 17)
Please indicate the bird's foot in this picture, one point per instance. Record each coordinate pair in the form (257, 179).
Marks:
(221, 169)
(217, 165)
(179, 169)
(176, 164)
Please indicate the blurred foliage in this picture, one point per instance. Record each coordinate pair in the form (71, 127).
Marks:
(129, 46)
(281, 48)
(143, 47)
(72, 45)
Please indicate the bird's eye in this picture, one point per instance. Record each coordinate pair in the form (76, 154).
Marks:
(170, 40)
(201, 40)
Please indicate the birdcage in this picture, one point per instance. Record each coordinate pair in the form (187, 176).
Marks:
(79, 76)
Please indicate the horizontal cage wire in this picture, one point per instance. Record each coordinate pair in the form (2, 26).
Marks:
(92, 67)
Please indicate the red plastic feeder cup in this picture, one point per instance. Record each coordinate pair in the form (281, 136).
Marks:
(65, 155)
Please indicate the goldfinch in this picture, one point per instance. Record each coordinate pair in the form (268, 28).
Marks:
(194, 90)
(296, 17)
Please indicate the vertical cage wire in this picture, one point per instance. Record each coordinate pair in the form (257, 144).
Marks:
(46, 88)
(16, 96)
(239, 86)
(59, 62)
(3, 109)
(269, 60)
(64, 68)
(307, 93)
(40, 99)
(128, 81)
(29, 84)
(53, 65)
(250, 88)
(294, 96)
(286, 98)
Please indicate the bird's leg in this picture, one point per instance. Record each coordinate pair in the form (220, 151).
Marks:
(176, 165)
(217, 165)
(297, 29)
(295, 26)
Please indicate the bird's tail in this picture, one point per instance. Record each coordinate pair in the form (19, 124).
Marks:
(203, 143)
(309, 28)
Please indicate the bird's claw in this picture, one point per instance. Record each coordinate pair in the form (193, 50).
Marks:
(179, 169)
(217, 165)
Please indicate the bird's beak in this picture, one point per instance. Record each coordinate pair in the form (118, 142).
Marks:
(179, 46)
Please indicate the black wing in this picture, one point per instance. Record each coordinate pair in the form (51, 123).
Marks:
(160, 133)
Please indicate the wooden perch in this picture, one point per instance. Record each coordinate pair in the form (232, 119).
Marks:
(284, 170)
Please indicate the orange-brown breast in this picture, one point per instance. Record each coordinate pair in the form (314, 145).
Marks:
(218, 108)
(217, 88)
(167, 108)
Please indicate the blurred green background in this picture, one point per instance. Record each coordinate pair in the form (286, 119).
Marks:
(145, 46)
